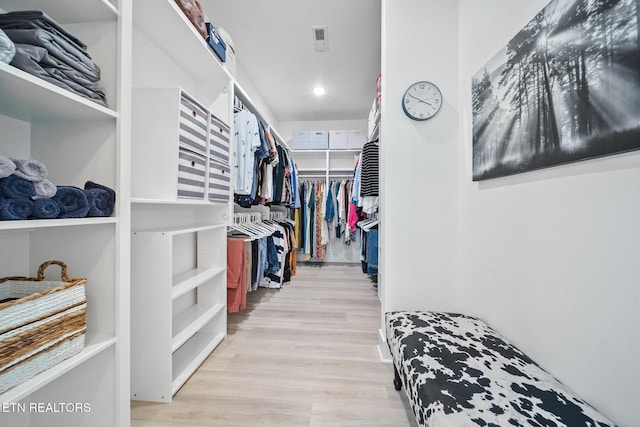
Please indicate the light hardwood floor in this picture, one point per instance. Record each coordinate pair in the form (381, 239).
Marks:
(303, 355)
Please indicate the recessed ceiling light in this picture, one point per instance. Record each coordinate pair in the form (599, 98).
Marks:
(319, 90)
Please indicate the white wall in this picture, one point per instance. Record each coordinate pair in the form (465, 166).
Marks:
(418, 159)
(548, 258)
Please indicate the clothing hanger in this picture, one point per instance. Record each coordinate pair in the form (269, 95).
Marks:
(368, 223)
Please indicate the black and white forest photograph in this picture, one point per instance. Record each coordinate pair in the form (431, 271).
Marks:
(565, 88)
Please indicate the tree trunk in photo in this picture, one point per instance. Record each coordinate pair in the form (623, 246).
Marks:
(553, 125)
(638, 23)
(539, 103)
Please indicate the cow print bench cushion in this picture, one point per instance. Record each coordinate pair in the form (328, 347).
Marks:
(457, 371)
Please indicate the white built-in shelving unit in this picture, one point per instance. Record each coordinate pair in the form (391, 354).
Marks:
(326, 164)
(78, 141)
(181, 200)
(184, 318)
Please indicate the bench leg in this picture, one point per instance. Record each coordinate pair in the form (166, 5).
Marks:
(397, 382)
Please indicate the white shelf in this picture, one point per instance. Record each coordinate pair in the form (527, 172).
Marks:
(78, 140)
(67, 11)
(178, 202)
(329, 150)
(53, 223)
(192, 279)
(194, 228)
(192, 321)
(184, 45)
(184, 368)
(179, 303)
(303, 170)
(19, 90)
(93, 346)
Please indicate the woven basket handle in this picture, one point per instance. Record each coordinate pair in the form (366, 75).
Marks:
(63, 270)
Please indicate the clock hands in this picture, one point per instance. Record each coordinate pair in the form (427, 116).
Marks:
(424, 102)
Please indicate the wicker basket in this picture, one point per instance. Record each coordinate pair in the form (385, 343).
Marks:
(41, 323)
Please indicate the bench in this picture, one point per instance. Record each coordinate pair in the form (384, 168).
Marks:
(457, 372)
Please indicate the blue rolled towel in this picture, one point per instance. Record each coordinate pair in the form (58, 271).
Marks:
(72, 201)
(101, 199)
(7, 167)
(14, 187)
(45, 209)
(15, 209)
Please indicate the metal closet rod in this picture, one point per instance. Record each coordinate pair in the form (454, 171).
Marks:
(249, 105)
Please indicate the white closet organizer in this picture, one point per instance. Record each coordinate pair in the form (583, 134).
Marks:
(184, 317)
(181, 187)
(181, 150)
(326, 163)
(78, 141)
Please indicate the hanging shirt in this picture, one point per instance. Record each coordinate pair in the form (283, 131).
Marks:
(267, 182)
(329, 212)
(320, 242)
(370, 169)
(246, 142)
(356, 181)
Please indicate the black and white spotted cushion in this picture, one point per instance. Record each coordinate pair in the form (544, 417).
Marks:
(459, 372)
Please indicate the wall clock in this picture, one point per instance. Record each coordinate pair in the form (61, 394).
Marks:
(421, 101)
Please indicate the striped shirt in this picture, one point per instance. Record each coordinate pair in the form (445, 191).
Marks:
(369, 180)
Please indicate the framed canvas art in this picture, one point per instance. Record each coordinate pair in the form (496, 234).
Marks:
(565, 88)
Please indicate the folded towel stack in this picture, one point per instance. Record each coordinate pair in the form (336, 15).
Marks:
(72, 201)
(43, 48)
(102, 200)
(16, 200)
(26, 193)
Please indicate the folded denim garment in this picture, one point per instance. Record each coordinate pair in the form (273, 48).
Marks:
(37, 19)
(7, 49)
(58, 48)
(36, 61)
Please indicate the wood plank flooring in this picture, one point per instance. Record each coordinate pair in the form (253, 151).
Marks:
(303, 355)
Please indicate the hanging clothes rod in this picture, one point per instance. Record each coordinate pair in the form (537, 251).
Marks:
(248, 104)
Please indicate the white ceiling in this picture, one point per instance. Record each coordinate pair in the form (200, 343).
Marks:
(273, 41)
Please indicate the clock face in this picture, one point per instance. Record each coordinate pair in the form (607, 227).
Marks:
(422, 101)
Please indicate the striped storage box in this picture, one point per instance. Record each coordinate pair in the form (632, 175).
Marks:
(193, 124)
(42, 323)
(191, 174)
(218, 140)
(219, 181)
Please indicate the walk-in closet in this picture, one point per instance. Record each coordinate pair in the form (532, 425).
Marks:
(341, 213)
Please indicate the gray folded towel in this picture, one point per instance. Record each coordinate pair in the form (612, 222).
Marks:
(30, 169)
(45, 189)
(7, 167)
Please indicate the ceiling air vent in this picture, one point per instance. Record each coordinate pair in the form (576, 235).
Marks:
(320, 43)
